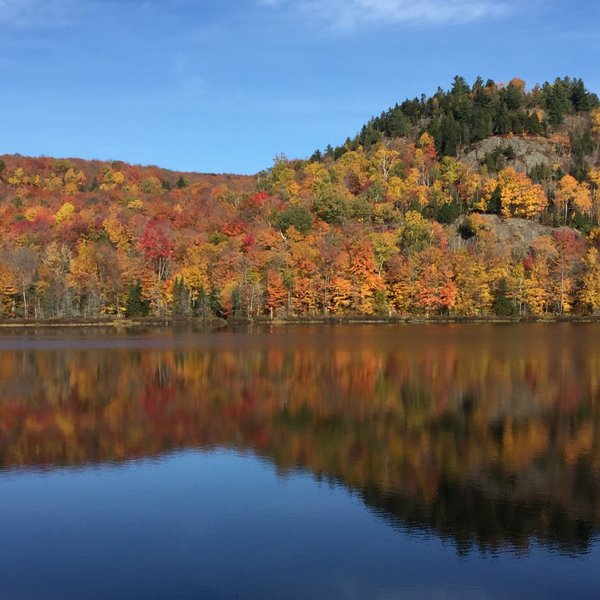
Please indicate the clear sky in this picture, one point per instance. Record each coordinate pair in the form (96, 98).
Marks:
(225, 85)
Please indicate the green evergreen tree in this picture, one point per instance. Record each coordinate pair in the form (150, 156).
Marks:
(502, 123)
(481, 98)
(483, 125)
(503, 307)
(135, 306)
(517, 123)
(460, 86)
(380, 303)
(236, 303)
(581, 99)
(448, 212)
(202, 304)
(398, 124)
(495, 204)
(451, 136)
(181, 302)
(555, 110)
(513, 97)
(533, 125)
(214, 302)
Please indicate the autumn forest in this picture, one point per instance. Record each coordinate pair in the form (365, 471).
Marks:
(477, 201)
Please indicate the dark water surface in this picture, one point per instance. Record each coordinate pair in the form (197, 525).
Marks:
(377, 462)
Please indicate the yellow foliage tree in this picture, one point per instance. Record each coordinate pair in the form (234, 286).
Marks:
(83, 269)
(403, 285)
(382, 162)
(384, 247)
(117, 231)
(195, 270)
(315, 176)
(570, 192)
(352, 169)
(111, 180)
(73, 181)
(594, 176)
(590, 292)
(64, 213)
(32, 212)
(18, 178)
(472, 277)
(538, 283)
(282, 179)
(520, 196)
(341, 295)
(470, 190)
(596, 125)
(135, 204)
(583, 199)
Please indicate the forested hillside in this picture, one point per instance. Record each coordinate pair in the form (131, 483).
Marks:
(478, 201)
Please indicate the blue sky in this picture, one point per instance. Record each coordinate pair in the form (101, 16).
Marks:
(224, 86)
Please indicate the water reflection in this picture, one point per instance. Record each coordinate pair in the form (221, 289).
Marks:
(484, 435)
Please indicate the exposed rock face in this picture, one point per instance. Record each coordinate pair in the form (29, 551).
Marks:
(516, 234)
(528, 152)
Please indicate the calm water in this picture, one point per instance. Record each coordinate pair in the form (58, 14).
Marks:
(458, 461)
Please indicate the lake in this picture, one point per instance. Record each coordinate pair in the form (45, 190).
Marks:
(318, 462)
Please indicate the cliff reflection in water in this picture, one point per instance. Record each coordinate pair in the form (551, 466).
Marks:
(487, 436)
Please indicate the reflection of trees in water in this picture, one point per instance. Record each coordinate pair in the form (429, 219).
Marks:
(489, 440)
(471, 518)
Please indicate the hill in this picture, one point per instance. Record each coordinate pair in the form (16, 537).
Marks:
(464, 115)
(401, 220)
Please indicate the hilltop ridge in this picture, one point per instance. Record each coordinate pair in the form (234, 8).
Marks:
(464, 115)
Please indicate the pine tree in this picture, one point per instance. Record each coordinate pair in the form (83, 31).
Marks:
(214, 302)
(513, 97)
(202, 304)
(135, 306)
(533, 125)
(180, 298)
(236, 302)
(503, 307)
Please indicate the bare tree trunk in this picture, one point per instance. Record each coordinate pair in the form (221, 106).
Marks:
(25, 306)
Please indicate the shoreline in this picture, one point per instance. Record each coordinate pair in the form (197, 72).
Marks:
(266, 321)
